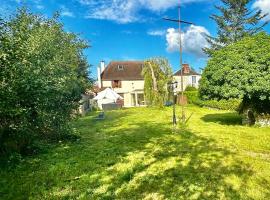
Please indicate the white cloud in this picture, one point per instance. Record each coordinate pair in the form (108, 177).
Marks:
(156, 32)
(122, 11)
(264, 6)
(66, 12)
(126, 11)
(193, 40)
(162, 5)
(40, 7)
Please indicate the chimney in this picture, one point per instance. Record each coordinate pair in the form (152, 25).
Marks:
(102, 66)
(186, 69)
(99, 77)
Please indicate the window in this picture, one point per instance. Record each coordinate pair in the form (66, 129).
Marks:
(116, 84)
(120, 67)
(194, 80)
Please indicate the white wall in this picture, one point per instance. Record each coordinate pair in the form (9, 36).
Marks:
(187, 81)
(127, 87)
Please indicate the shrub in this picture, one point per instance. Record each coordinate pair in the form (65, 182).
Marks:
(191, 88)
(231, 104)
(192, 96)
(43, 74)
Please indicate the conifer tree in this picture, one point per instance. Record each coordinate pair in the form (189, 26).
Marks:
(235, 22)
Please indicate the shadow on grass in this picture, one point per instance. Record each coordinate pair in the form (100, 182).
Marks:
(139, 160)
(148, 161)
(174, 167)
(223, 118)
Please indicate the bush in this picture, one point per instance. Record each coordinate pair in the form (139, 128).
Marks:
(192, 96)
(191, 88)
(43, 73)
(231, 104)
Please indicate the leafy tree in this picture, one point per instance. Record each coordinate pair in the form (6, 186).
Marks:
(234, 23)
(242, 71)
(43, 73)
(157, 73)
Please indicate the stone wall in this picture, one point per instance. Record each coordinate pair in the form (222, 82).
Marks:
(250, 118)
(263, 120)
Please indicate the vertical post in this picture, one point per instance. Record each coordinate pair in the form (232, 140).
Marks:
(136, 99)
(174, 116)
(179, 21)
(181, 63)
(99, 77)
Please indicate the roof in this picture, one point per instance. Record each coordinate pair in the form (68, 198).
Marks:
(108, 93)
(187, 71)
(123, 70)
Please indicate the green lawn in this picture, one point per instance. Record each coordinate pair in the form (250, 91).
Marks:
(133, 154)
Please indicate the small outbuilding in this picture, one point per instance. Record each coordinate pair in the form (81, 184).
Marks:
(108, 99)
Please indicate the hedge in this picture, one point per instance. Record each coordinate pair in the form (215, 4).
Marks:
(231, 104)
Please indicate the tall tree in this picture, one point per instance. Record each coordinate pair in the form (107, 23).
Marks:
(43, 73)
(235, 22)
(157, 73)
(241, 71)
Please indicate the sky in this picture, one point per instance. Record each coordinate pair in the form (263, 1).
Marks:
(134, 29)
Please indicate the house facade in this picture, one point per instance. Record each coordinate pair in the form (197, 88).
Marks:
(125, 78)
(190, 77)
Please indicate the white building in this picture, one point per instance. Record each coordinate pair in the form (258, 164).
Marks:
(190, 77)
(125, 78)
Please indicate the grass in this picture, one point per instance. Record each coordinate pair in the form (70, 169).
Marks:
(133, 154)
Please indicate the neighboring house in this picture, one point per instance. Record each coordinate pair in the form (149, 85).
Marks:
(86, 103)
(125, 78)
(190, 77)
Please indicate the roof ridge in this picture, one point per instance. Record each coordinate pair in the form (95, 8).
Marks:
(126, 61)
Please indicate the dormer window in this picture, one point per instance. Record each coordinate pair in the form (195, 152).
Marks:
(120, 67)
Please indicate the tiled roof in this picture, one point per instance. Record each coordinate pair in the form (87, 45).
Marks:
(187, 71)
(123, 70)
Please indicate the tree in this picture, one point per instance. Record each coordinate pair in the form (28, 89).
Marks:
(43, 73)
(234, 23)
(157, 73)
(240, 70)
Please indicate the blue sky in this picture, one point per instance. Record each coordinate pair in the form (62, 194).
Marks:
(134, 29)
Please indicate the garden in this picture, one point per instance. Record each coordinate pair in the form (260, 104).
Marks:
(135, 154)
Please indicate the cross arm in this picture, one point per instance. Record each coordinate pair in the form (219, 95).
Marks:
(176, 20)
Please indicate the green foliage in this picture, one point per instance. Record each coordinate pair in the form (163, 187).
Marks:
(157, 73)
(230, 104)
(43, 73)
(235, 22)
(191, 88)
(192, 96)
(240, 71)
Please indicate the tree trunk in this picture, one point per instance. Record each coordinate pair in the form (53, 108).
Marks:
(153, 77)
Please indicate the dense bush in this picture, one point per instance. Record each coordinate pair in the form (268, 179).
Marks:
(230, 104)
(43, 74)
(191, 88)
(192, 97)
(240, 71)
